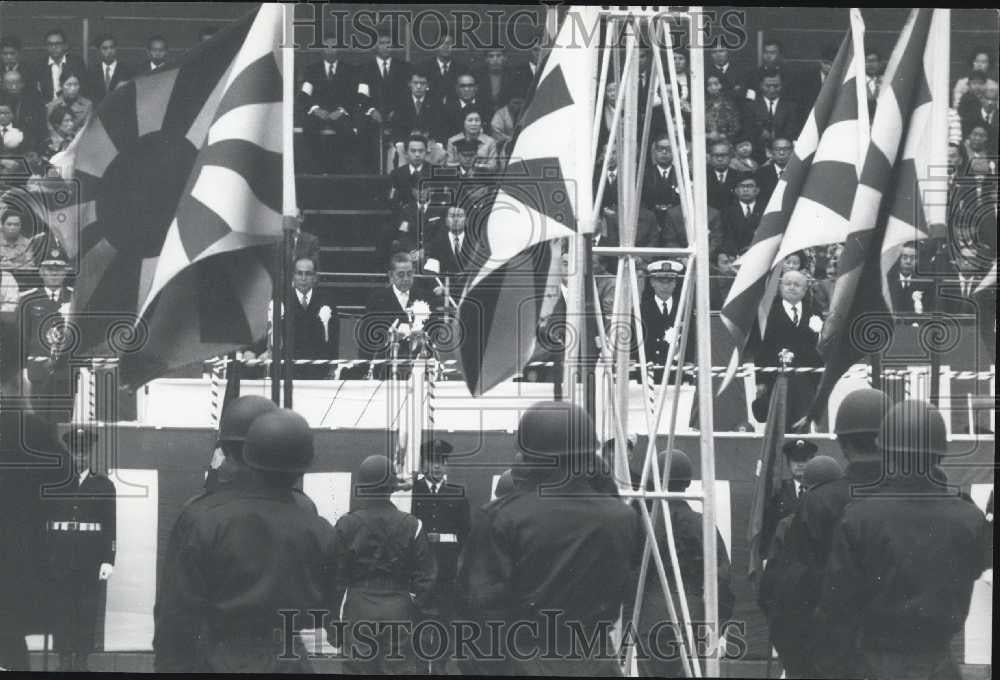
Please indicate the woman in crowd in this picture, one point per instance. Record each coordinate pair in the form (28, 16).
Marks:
(980, 61)
(977, 143)
(722, 119)
(486, 154)
(62, 124)
(71, 99)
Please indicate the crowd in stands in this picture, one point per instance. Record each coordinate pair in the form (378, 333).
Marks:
(447, 118)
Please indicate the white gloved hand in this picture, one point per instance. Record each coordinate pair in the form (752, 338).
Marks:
(105, 572)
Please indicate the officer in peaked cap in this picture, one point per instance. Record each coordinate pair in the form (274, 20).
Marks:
(658, 309)
(443, 507)
(81, 535)
(41, 315)
(657, 640)
(218, 603)
(384, 564)
(902, 591)
(785, 500)
(558, 545)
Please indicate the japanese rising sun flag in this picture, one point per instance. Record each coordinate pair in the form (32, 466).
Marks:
(180, 195)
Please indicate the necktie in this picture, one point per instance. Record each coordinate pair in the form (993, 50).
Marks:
(55, 296)
(107, 75)
(795, 315)
(329, 70)
(721, 176)
(770, 107)
(456, 245)
(746, 210)
(666, 171)
(966, 287)
(444, 68)
(419, 104)
(385, 68)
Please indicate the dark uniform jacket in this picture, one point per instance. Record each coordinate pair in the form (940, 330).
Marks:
(385, 93)
(41, 332)
(783, 503)
(339, 90)
(405, 180)
(217, 600)
(655, 325)
(902, 566)
(445, 515)
(88, 505)
(573, 552)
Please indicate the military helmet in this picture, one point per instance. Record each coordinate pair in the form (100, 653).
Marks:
(376, 475)
(280, 441)
(239, 414)
(681, 469)
(556, 430)
(913, 426)
(820, 470)
(862, 411)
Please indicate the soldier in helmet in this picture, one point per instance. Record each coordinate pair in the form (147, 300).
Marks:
(242, 556)
(81, 533)
(555, 545)
(443, 508)
(904, 557)
(385, 574)
(659, 650)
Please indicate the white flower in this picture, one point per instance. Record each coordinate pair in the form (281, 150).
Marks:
(404, 330)
(815, 324)
(670, 335)
(13, 138)
(918, 301)
(325, 314)
(917, 295)
(420, 311)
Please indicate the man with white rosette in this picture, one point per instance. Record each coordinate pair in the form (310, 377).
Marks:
(315, 321)
(793, 324)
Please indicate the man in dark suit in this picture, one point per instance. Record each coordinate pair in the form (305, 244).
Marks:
(406, 179)
(773, 115)
(466, 99)
(733, 78)
(960, 276)
(659, 190)
(81, 528)
(525, 76)
(418, 112)
(11, 61)
(315, 321)
(386, 315)
(156, 54)
(769, 173)
(443, 508)
(451, 247)
(658, 311)
(26, 106)
(740, 219)
(794, 325)
(499, 82)
(329, 111)
(721, 178)
(787, 498)
(910, 293)
(59, 60)
(383, 80)
(983, 115)
(418, 222)
(108, 72)
(443, 70)
(810, 82)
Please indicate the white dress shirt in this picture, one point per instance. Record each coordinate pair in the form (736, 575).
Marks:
(789, 307)
(666, 306)
(404, 298)
(304, 298)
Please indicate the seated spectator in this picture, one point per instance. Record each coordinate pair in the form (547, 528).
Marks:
(62, 124)
(108, 72)
(982, 115)
(821, 289)
(406, 178)
(810, 82)
(443, 70)
(418, 111)
(17, 251)
(721, 179)
(772, 61)
(722, 118)
(449, 247)
(330, 112)
(683, 86)
(69, 98)
(383, 80)
(9, 292)
(498, 82)
(743, 154)
(909, 292)
(11, 62)
(977, 144)
(962, 272)
(59, 60)
(796, 262)
(659, 189)
(732, 78)
(156, 54)
(13, 140)
(741, 218)
(504, 124)
(772, 115)
(723, 273)
(769, 173)
(981, 61)
(972, 207)
(472, 133)
(466, 99)
(26, 106)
